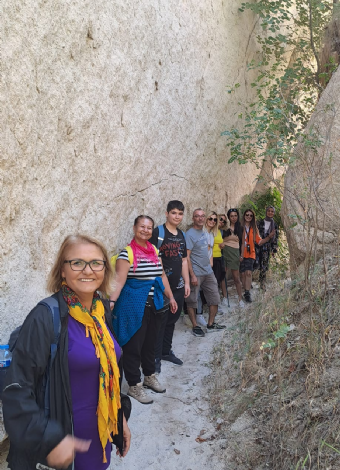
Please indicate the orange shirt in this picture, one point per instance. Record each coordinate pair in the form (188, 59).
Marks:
(248, 239)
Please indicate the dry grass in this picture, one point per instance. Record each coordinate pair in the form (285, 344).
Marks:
(287, 393)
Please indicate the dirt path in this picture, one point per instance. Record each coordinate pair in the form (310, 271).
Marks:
(165, 433)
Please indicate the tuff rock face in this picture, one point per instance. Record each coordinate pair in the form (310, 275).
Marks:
(109, 109)
(311, 209)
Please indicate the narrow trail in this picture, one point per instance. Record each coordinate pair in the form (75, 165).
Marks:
(164, 434)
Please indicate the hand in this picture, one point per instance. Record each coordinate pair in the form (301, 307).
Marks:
(186, 290)
(63, 454)
(126, 439)
(272, 234)
(241, 259)
(221, 245)
(173, 305)
(194, 281)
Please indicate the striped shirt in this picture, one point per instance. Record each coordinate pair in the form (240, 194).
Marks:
(146, 270)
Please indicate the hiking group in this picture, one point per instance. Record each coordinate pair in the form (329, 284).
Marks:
(62, 400)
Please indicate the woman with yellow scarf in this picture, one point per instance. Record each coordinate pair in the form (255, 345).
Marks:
(84, 402)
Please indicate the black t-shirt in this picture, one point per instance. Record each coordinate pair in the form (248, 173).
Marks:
(172, 250)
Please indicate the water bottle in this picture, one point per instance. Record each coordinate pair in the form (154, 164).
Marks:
(5, 356)
(5, 360)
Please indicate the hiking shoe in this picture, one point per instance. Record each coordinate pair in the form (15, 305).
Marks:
(151, 381)
(157, 365)
(215, 327)
(197, 331)
(247, 297)
(241, 304)
(172, 358)
(138, 393)
(220, 310)
(224, 302)
(201, 320)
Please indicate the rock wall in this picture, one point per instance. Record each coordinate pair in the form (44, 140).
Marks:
(311, 212)
(109, 109)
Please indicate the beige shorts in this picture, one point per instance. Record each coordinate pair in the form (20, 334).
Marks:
(209, 286)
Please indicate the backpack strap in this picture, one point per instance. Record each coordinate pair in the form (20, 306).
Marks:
(114, 258)
(161, 234)
(52, 304)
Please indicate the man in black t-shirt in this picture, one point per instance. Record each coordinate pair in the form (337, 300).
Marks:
(173, 251)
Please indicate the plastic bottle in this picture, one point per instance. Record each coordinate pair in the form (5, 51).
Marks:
(5, 356)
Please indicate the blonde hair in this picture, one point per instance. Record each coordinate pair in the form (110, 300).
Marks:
(54, 278)
(213, 230)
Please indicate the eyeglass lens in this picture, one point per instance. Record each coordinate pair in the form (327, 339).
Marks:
(80, 264)
(212, 218)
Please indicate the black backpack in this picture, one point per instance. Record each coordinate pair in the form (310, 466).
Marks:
(52, 304)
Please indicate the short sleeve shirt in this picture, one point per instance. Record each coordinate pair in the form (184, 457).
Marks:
(145, 271)
(172, 251)
(197, 243)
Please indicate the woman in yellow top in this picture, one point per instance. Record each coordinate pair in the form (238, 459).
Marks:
(218, 265)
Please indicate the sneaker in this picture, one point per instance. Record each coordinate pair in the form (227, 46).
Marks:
(224, 302)
(187, 321)
(247, 297)
(220, 310)
(201, 320)
(157, 365)
(138, 393)
(241, 304)
(151, 381)
(197, 331)
(172, 358)
(215, 327)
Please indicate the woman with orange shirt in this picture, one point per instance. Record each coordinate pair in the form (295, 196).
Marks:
(250, 237)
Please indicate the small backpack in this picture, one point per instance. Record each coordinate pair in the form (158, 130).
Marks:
(128, 248)
(113, 260)
(52, 304)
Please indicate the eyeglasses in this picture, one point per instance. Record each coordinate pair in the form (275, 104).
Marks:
(212, 218)
(222, 220)
(199, 216)
(248, 215)
(80, 264)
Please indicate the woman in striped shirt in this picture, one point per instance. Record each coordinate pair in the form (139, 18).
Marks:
(138, 301)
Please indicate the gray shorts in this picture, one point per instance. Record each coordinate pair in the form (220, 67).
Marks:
(209, 286)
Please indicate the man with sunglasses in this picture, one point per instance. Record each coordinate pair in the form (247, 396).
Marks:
(201, 274)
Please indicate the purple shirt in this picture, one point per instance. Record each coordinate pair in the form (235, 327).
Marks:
(84, 379)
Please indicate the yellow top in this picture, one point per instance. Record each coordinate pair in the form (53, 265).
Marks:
(217, 241)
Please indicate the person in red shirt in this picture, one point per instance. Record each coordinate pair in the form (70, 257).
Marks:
(250, 237)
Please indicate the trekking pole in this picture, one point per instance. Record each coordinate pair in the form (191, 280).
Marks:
(226, 287)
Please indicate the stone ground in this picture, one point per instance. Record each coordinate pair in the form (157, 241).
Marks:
(177, 430)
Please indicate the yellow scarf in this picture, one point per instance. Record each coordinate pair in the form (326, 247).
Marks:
(109, 390)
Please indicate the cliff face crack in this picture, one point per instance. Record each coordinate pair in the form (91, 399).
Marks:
(151, 185)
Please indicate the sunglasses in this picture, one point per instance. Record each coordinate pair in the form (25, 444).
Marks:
(212, 218)
(222, 220)
(249, 215)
